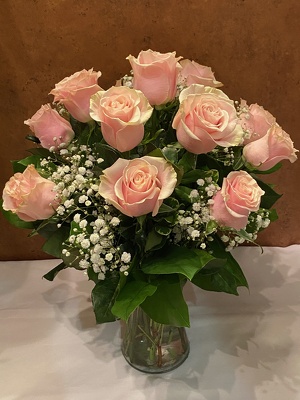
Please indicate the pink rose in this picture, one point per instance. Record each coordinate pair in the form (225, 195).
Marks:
(255, 120)
(206, 118)
(137, 187)
(155, 74)
(75, 92)
(122, 112)
(267, 151)
(52, 130)
(30, 196)
(193, 72)
(239, 195)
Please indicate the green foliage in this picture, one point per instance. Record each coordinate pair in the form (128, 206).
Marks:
(13, 219)
(130, 297)
(104, 295)
(167, 305)
(270, 197)
(20, 166)
(176, 260)
(54, 243)
(52, 274)
(226, 277)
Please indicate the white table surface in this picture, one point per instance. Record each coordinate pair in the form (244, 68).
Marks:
(242, 348)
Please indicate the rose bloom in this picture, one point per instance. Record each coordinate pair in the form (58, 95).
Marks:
(269, 150)
(50, 128)
(155, 74)
(137, 187)
(239, 195)
(206, 118)
(193, 72)
(75, 91)
(256, 121)
(122, 112)
(30, 196)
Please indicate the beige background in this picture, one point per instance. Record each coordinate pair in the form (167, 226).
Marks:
(252, 45)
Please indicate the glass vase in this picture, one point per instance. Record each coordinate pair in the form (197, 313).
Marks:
(152, 347)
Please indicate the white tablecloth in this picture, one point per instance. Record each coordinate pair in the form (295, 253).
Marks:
(242, 348)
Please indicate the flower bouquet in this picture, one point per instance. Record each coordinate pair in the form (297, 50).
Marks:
(148, 184)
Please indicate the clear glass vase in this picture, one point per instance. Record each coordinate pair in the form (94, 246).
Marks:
(152, 347)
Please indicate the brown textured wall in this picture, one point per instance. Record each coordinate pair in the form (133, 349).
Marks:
(252, 45)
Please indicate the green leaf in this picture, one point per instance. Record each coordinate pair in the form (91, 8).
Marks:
(153, 240)
(156, 153)
(13, 219)
(44, 153)
(169, 205)
(163, 230)
(130, 297)
(167, 305)
(108, 153)
(268, 171)
(226, 279)
(149, 137)
(171, 154)
(104, 294)
(194, 175)
(220, 281)
(21, 165)
(54, 243)
(52, 274)
(188, 161)
(174, 259)
(270, 197)
(273, 216)
(77, 126)
(33, 138)
(183, 193)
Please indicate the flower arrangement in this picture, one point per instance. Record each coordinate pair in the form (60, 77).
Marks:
(148, 184)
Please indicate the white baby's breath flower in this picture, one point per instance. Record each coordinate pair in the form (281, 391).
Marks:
(115, 221)
(265, 223)
(196, 207)
(85, 244)
(194, 193)
(95, 188)
(82, 199)
(83, 223)
(99, 223)
(94, 238)
(83, 264)
(88, 163)
(125, 257)
(224, 238)
(76, 218)
(81, 170)
(195, 234)
(103, 231)
(101, 276)
(68, 203)
(124, 268)
(108, 257)
(79, 178)
(95, 258)
(60, 210)
(72, 238)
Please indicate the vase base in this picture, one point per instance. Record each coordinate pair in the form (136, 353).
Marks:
(153, 369)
